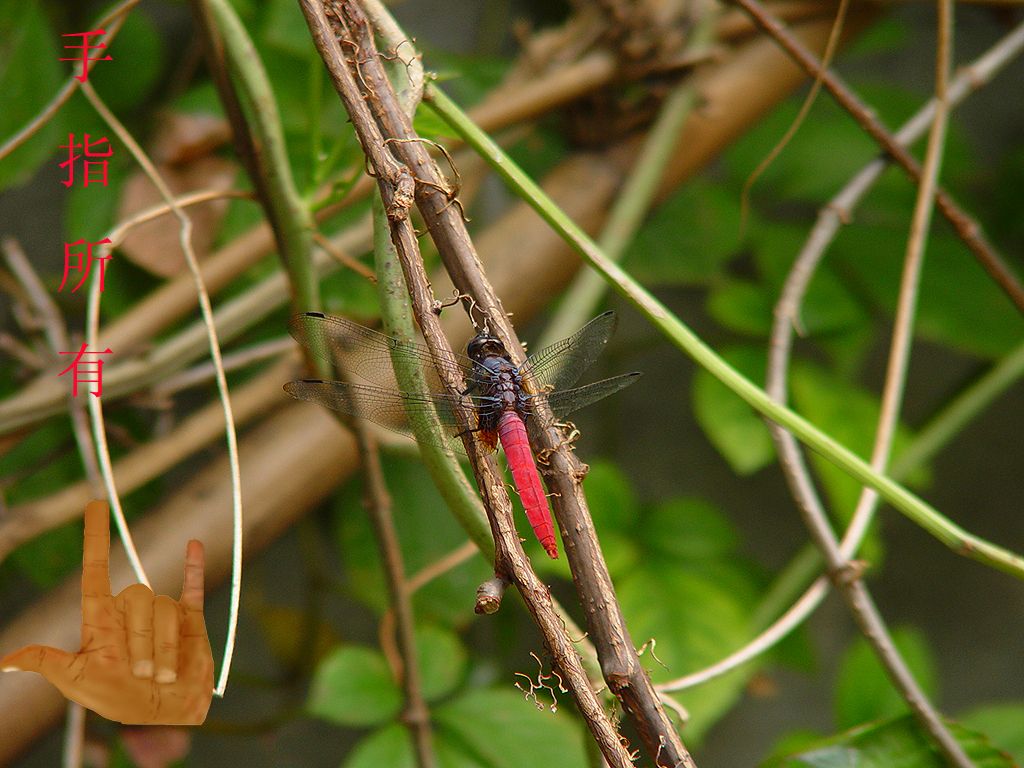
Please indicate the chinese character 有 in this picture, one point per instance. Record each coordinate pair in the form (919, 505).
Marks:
(86, 368)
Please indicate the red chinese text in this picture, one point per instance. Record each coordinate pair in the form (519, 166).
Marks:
(86, 368)
(85, 47)
(93, 171)
(83, 262)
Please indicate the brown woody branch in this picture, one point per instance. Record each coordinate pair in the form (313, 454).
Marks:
(564, 473)
(965, 226)
(416, 715)
(397, 186)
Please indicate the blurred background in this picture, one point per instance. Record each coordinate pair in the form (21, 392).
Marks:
(689, 502)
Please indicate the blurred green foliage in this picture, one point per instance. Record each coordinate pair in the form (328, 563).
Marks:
(894, 744)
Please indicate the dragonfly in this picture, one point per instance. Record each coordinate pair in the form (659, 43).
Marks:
(501, 397)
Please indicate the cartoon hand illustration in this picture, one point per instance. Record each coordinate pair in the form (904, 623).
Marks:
(145, 658)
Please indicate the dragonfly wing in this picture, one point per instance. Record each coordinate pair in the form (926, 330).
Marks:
(561, 364)
(566, 401)
(381, 406)
(366, 352)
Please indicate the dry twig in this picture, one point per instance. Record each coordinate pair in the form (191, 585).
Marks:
(965, 226)
(397, 187)
(185, 236)
(845, 574)
(621, 668)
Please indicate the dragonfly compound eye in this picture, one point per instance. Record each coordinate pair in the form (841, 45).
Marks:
(484, 345)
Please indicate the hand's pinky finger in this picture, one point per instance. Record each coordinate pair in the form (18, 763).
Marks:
(195, 566)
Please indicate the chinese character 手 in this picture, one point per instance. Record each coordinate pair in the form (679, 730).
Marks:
(85, 47)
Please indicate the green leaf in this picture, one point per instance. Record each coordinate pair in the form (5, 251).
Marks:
(809, 167)
(732, 426)
(693, 595)
(489, 728)
(135, 69)
(612, 500)
(792, 743)
(863, 690)
(831, 315)
(49, 558)
(539, 151)
(429, 124)
(689, 236)
(1003, 724)
(883, 37)
(849, 414)
(442, 660)
(390, 746)
(960, 306)
(694, 618)
(615, 509)
(828, 306)
(485, 728)
(353, 686)
(30, 74)
(741, 306)
(348, 293)
(1004, 214)
(469, 77)
(42, 461)
(690, 531)
(91, 210)
(896, 744)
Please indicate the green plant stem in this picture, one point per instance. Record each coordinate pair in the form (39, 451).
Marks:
(932, 438)
(808, 562)
(950, 534)
(442, 465)
(289, 215)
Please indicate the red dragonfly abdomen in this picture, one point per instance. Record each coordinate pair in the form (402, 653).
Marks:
(512, 434)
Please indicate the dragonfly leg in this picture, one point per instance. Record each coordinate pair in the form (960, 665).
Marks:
(438, 306)
(570, 434)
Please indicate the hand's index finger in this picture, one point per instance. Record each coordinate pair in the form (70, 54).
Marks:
(96, 551)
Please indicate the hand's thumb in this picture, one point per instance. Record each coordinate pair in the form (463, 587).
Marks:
(37, 658)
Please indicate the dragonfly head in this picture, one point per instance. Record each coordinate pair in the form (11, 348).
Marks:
(483, 345)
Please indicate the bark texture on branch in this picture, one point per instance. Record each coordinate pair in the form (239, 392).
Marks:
(564, 473)
(372, 104)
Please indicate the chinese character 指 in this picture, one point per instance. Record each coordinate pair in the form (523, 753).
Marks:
(90, 149)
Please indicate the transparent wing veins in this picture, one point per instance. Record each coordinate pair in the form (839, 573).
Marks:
(561, 364)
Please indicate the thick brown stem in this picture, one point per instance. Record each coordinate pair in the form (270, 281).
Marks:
(564, 474)
(396, 187)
